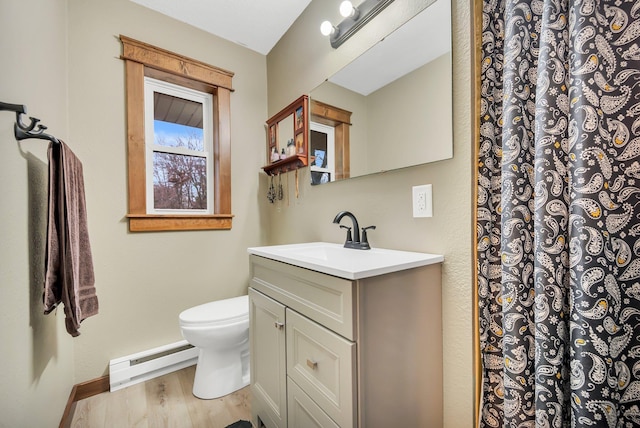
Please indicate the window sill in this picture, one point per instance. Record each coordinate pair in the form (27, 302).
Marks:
(155, 223)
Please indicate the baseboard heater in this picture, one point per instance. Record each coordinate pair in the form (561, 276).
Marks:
(145, 365)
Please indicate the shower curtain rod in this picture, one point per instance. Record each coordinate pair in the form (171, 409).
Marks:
(23, 132)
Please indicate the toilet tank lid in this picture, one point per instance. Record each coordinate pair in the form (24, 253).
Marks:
(219, 310)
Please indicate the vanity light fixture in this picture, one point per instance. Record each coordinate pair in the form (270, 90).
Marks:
(355, 18)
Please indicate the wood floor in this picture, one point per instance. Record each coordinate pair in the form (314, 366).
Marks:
(165, 401)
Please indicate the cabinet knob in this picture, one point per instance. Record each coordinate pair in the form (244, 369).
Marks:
(279, 325)
(312, 364)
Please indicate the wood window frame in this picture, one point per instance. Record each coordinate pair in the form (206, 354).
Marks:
(340, 119)
(142, 59)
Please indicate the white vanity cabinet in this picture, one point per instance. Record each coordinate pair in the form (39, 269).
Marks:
(335, 352)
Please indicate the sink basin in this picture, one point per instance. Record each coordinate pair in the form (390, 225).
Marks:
(334, 259)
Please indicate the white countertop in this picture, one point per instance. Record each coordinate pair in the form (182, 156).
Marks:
(334, 259)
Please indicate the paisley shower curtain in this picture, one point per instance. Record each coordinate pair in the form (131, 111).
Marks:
(558, 214)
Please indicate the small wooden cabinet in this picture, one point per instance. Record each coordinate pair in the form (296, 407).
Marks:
(333, 352)
(288, 131)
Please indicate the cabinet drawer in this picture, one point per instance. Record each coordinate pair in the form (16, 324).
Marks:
(327, 299)
(323, 364)
(303, 412)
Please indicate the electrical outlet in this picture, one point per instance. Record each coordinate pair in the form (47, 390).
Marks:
(422, 201)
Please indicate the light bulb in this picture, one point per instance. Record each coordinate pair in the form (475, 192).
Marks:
(326, 28)
(347, 10)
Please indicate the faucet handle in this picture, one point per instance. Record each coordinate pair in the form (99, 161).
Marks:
(349, 238)
(365, 242)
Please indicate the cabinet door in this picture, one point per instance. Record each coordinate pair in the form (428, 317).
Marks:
(268, 364)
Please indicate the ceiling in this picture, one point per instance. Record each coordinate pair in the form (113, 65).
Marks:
(255, 24)
(259, 25)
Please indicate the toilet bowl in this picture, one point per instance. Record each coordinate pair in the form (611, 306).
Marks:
(220, 330)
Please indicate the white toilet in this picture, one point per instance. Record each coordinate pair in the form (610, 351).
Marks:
(220, 330)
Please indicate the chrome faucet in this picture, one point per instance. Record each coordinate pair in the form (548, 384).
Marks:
(355, 241)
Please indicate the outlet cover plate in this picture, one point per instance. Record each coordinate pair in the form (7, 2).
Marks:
(422, 201)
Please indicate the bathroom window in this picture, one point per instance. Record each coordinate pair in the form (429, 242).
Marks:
(179, 144)
(179, 147)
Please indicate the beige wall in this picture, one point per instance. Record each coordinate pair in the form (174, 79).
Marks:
(144, 280)
(300, 61)
(37, 354)
(61, 59)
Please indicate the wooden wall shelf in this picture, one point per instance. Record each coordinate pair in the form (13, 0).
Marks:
(285, 165)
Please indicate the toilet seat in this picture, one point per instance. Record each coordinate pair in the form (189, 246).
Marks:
(222, 312)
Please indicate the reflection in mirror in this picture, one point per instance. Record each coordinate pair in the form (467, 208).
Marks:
(329, 142)
(322, 148)
(285, 136)
(399, 98)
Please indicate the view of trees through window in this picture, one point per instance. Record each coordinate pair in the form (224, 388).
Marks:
(179, 179)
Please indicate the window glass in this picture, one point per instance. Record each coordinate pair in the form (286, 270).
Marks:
(179, 147)
(175, 135)
(179, 182)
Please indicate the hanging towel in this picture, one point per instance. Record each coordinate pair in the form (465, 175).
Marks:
(69, 275)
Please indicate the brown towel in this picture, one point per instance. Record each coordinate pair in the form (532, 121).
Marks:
(69, 266)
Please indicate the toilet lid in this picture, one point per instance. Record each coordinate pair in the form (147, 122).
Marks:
(218, 312)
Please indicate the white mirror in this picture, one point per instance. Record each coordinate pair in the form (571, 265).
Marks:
(397, 97)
